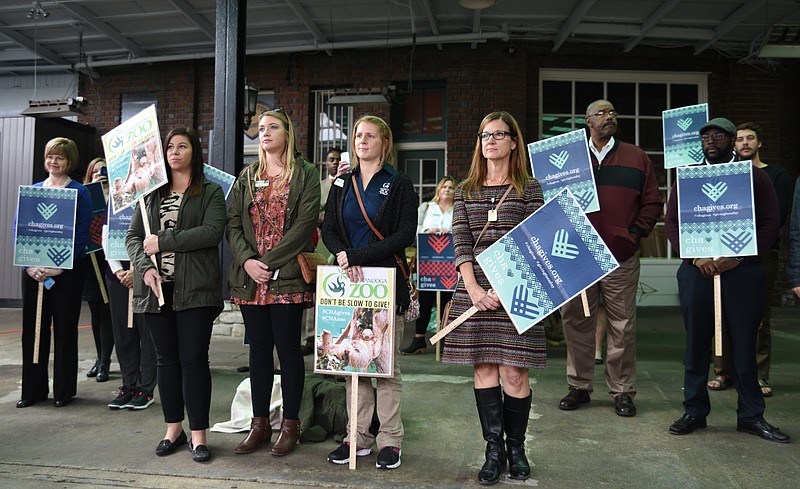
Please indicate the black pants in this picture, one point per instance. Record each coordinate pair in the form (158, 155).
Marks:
(182, 339)
(61, 305)
(742, 301)
(426, 302)
(275, 326)
(102, 331)
(135, 351)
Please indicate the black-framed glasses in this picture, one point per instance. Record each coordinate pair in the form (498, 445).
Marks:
(717, 136)
(603, 113)
(497, 135)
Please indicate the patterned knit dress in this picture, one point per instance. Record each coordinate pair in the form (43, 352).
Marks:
(489, 336)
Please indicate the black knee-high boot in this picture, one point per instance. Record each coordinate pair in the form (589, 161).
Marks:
(515, 418)
(490, 411)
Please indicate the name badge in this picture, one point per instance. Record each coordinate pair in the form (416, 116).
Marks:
(493, 215)
(262, 183)
(339, 182)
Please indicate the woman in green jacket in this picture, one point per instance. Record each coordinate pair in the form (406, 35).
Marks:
(187, 222)
(273, 213)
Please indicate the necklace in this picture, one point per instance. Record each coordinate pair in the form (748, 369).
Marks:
(48, 183)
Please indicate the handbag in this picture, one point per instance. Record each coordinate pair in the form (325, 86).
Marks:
(412, 312)
(446, 309)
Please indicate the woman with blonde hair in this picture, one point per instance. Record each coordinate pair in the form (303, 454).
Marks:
(61, 303)
(373, 196)
(273, 214)
(497, 194)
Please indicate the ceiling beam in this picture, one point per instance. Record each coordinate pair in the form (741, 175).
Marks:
(426, 5)
(31, 46)
(196, 18)
(572, 21)
(616, 31)
(90, 18)
(733, 20)
(651, 22)
(300, 12)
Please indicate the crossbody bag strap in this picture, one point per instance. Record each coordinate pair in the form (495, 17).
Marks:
(372, 226)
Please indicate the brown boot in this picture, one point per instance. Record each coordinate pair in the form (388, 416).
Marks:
(260, 433)
(287, 438)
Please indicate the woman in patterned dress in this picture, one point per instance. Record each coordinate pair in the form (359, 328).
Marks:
(488, 340)
(273, 214)
(187, 222)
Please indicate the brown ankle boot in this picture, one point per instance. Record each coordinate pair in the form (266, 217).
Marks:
(287, 438)
(260, 433)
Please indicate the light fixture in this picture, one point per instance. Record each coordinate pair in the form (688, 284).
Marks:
(55, 108)
(250, 104)
(374, 96)
(476, 4)
(782, 41)
(37, 12)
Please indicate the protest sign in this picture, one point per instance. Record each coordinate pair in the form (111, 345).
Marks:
(135, 159)
(563, 162)
(225, 180)
(436, 267)
(99, 208)
(118, 225)
(355, 322)
(682, 145)
(45, 231)
(545, 261)
(716, 216)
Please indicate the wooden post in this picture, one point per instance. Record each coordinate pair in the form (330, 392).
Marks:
(453, 325)
(585, 303)
(438, 324)
(100, 282)
(717, 316)
(353, 429)
(146, 223)
(38, 331)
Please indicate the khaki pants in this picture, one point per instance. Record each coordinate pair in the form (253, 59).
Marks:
(619, 296)
(390, 391)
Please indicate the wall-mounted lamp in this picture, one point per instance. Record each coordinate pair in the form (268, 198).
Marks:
(55, 108)
(375, 96)
(250, 103)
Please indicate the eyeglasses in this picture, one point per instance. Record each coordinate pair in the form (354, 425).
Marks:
(497, 135)
(603, 113)
(717, 136)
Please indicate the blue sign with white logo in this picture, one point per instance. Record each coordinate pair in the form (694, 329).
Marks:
(546, 260)
(716, 216)
(224, 179)
(682, 145)
(45, 230)
(118, 225)
(563, 162)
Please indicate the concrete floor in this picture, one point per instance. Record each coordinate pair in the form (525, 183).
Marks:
(87, 445)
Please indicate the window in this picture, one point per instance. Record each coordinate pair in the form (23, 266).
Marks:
(639, 97)
(331, 126)
(419, 114)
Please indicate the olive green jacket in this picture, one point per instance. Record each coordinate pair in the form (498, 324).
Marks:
(198, 231)
(302, 213)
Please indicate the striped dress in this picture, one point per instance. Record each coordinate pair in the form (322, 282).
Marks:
(489, 336)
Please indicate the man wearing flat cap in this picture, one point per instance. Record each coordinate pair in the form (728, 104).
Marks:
(741, 307)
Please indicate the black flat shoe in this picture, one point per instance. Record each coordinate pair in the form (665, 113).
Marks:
(574, 399)
(686, 424)
(23, 403)
(61, 402)
(93, 371)
(200, 453)
(166, 447)
(764, 430)
(102, 373)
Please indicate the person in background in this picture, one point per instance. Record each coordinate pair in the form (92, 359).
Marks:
(434, 217)
(747, 146)
(497, 195)
(389, 203)
(187, 222)
(793, 267)
(61, 304)
(272, 217)
(100, 311)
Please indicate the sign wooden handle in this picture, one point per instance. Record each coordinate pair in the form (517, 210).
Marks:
(38, 331)
(453, 325)
(585, 303)
(717, 316)
(146, 224)
(438, 323)
(100, 282)
(353, 420)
